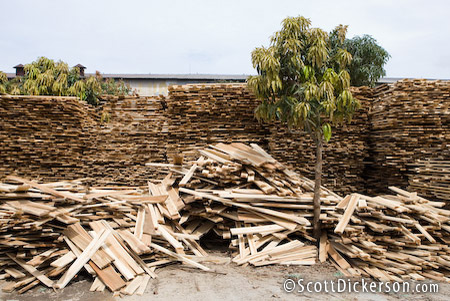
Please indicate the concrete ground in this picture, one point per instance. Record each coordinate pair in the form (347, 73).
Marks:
(230, 282)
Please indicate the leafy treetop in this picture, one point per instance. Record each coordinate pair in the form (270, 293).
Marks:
(303, 78)
(368, 61)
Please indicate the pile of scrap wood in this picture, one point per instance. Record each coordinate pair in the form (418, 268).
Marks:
(119, 235)
(391, 238)
(122, 235)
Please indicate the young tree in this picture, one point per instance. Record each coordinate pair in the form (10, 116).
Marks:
(304, 82)
(368, 61)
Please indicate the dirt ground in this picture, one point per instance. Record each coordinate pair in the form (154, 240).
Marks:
(228, 282)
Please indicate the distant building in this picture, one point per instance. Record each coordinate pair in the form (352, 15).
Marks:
(157, 84)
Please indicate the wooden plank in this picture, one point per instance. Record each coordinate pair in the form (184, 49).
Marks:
(90, 250)
(32, 270)
(347, 214)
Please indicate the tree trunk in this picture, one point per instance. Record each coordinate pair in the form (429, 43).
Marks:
(317, 184)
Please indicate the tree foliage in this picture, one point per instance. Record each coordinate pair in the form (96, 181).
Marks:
(47, 77)
(368, 61)
(303, 78)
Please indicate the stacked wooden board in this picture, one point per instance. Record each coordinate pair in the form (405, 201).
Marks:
(431, 178)
(135, 133)
(210, 113)
(56, 138)
(44, 135)
(410, 122)
(200, 114)
(121, 235)
(344, 156)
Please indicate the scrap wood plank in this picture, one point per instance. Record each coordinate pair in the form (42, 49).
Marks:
(133, 285)
(180, 257)
(257, 229)
(174, 242)
(425, 233)
(109, 277)
(46, 189)
(85, 256)
(190, 173)
(337, 257)
(119, 250)
(141, 290)
(133, 242)
(122, 266)
(14, 273)
(97, 284)
(64, 260)
(77, 253)
(32, 270)
(81, 238)
(139, 227)
(28, 286)
(347, 214)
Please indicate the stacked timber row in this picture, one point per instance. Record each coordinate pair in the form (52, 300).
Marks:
(344, 155)
(53, 138)
(431, 178)
(209, 113)
(132, 131)
(45, 137)
(410, 121)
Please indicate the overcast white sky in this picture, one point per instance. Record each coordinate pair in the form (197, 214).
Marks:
(214, 37)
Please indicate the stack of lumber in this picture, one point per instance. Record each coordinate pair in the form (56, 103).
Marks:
(56, 138)
(44, 135)
(410, 121)
(201, 114)
(135, 134)
(344, 155)
(391, 238)
(431, 178)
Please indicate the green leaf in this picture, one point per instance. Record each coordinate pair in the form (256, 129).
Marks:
(326, 128)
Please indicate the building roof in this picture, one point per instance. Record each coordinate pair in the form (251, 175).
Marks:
(177, 76)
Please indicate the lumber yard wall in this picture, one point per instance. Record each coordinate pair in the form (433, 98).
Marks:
(399, 137)
(409, 141)
(204, 114)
